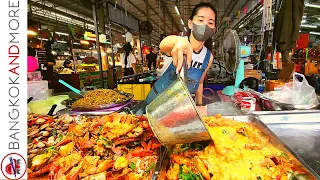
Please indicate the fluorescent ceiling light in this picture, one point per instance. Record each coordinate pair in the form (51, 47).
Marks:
(30, 32)
(303, 21)
(76, 43)
(315, 33)
(61, 16)
(43, 39)
(185, 29)
(90, 25)
(312, 5)
(308, 26)
(61, 33)
(123, 35)
(319, 19)
(261, 8)
(84, 42)
(304, 16)
(177, 10)
(62, 41)
(182, 22)
(241, 26)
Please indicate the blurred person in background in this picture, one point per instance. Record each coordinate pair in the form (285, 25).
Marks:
(128, 61)
(152, 59)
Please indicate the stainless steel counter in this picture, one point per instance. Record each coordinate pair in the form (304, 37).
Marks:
(303, 139)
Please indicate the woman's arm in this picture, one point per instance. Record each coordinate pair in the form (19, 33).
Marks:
(177, 47)
(199, 91)
(133, 63)
(134, 68)
(167, 44)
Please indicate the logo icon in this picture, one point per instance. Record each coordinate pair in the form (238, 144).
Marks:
(13, 166)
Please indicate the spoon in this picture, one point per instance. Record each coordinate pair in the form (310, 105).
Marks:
(50, 113)
(77, 91)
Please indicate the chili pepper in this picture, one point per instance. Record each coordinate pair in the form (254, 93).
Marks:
(139, 152)
(31, 123)
(155, 145)
(49, 121)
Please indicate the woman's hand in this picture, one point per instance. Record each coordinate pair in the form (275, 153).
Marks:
(182, 47)
(177, 47)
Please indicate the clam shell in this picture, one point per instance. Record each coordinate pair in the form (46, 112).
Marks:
(41, 144)
(45, 133)
(40, 121)
(49, 128)
(34, 132)
(44, 126)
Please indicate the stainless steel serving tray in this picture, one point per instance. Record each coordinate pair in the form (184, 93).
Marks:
(278, 143)
(68, 103)
(274, 140)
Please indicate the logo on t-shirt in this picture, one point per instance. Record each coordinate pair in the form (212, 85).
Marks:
(196, 64)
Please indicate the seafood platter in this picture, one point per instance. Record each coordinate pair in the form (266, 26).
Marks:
(123, 146)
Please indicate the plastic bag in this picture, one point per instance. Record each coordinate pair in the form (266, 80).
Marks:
(298, 92)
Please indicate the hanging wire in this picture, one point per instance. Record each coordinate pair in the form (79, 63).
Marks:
(125, 8)
(159, 13)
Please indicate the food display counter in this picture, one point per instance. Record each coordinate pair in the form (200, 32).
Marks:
(297, 131)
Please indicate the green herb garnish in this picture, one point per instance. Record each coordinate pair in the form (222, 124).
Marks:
(259, 178)
(132, 166)
(29, 140)
(185, 147)
(150, 167)
(51, 148)
(107, 142)
(185, 176)
(175, 151)
(54, 132)
(100, 128)
(60, 137)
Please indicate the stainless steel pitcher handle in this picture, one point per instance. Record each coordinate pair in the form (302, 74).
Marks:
(183, 71)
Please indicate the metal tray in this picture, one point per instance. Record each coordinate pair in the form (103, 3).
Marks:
(269, 103)
(278, 143)
(274, 140)
(68, 103)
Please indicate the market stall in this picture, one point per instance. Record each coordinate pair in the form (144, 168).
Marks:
(251, 124)
(134, 152)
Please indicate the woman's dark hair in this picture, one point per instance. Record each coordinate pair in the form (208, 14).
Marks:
(127, 49)
(194, 12)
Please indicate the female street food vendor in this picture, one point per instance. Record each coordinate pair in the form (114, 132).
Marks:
(196, 48)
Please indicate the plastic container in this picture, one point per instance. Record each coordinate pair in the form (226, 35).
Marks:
(140, 91)
(41, 107)
(58, 99)
(39, 90)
